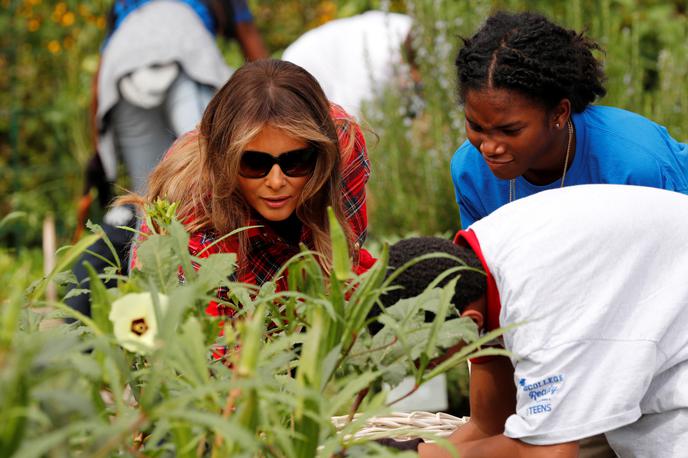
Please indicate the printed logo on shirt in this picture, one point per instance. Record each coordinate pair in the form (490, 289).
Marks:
(541, 393)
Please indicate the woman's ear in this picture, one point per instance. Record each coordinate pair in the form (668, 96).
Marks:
(561, 114)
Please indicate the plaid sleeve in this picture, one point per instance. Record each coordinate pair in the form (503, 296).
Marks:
(355, 172)
(144, 232)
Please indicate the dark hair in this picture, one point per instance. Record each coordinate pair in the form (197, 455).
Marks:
(528, 53)
(416, 278)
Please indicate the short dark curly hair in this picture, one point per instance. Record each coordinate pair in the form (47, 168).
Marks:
(528, 53)
(416, 278)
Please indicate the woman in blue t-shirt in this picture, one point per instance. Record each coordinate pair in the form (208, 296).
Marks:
(527, 86)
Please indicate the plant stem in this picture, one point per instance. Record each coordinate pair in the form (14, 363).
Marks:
(413, 390)
(115, 440)
(357, 403)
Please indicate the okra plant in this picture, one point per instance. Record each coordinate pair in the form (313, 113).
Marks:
(151, 374)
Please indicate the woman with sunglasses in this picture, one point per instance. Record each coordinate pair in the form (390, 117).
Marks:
(270, 151)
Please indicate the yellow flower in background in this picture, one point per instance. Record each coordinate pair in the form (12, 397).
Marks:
(54, 46)
(60, 9)
(100, 22)
(134, 322)
(33, 25)
(84, 10)
(327, 11)
(68, 19)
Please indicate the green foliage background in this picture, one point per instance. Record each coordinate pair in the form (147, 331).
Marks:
(49, 53)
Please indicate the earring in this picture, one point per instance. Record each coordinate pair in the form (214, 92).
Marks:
(557, 124)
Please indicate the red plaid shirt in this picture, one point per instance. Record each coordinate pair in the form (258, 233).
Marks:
(268, 252)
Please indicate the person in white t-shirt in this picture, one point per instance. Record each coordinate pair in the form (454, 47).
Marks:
(354, 58)
(594, 279)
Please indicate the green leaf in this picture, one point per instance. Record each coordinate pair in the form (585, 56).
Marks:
(180, 243)
(251, 342)
(329, 364)
(396, 372)
(215, 270)
(11, 308)
(97, 229)
(446, 294)
(67, 259)
(191, 349)
(158, 262)
(100, 300)
(349, 390)
(341, 262)
(11, 217)
(456, 330)
(41, 446)
(230, 430)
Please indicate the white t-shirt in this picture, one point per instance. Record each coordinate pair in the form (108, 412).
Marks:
(598, 275)
(157, 33)
(352, 58)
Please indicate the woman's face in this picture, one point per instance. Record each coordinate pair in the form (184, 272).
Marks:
(275, 195)
(514, 135)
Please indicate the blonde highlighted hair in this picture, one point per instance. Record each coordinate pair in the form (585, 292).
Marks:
(201, 170)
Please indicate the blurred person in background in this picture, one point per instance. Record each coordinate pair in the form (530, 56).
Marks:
(160, 66)
(355, 58)
(527, 86)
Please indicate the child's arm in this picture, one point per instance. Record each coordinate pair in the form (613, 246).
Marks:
(492, 398)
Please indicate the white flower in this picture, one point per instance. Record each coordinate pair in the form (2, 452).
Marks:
(134, 321)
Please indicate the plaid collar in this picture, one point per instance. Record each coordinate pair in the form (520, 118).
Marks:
(266, 250)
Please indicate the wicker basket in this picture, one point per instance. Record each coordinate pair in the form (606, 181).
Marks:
(439, 424)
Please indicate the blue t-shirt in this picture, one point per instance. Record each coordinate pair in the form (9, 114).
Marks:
(613, 146)
(122, 8)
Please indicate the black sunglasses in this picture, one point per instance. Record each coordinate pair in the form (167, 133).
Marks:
(297, 163)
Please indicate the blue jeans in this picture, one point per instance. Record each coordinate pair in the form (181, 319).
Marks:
(142, 136)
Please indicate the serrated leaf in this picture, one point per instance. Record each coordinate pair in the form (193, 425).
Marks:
(66, 277)
(180, 242)
(456, 330)
(74, 292)
(395, 373)
(157, 261)
(215, 270)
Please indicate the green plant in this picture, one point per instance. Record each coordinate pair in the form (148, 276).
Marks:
(150, 374)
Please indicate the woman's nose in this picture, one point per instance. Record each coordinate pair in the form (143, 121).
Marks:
(491, 148)
(275, 178)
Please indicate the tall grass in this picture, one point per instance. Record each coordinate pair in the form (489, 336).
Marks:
(646, 62)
